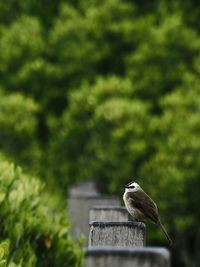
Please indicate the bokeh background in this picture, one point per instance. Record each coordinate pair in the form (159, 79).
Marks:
(107, 91)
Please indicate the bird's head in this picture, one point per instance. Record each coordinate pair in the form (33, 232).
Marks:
(132, 187)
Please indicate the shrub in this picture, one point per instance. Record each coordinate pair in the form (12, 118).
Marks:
(38, 235)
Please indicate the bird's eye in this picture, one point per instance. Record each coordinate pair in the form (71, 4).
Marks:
(132, 187)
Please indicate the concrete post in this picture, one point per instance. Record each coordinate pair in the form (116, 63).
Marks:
(117, 234)
(79, 206)
(124, 257)
(109, 213)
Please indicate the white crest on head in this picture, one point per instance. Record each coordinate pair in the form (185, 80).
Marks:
(132, 187)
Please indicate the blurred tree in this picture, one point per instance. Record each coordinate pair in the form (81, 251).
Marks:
(44, 10)
(22, 46)
(112, 143)
(157, 66)
(175, 166)
(18, 134)
(77, 34)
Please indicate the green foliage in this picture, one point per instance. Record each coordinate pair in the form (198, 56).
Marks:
(77, 34)
(4, 253)
(158, 65)
(179, 123)
(44, 10)
(174, 167)
(18, 135)
(38, 235)
(112, 140)
(18, 55)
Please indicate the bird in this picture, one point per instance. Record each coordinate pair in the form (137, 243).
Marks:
(142, 207)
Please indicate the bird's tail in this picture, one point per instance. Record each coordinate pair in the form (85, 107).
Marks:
(165, 233)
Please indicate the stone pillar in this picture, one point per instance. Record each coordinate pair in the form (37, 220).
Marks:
(127, 257)
(109, 213)
(117, 234)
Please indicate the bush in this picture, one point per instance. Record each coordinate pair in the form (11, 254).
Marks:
(38, 235)
(4, 251)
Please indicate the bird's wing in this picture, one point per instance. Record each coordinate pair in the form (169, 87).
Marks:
(145, 204)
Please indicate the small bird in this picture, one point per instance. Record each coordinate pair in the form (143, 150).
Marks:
(141, 206)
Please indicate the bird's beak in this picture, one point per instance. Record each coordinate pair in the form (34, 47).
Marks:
(126, 186)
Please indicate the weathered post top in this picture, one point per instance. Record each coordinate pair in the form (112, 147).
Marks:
(116, 234)
(127, 257)
(109, 213)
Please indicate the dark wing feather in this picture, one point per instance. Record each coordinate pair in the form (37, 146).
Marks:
(145, 204)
